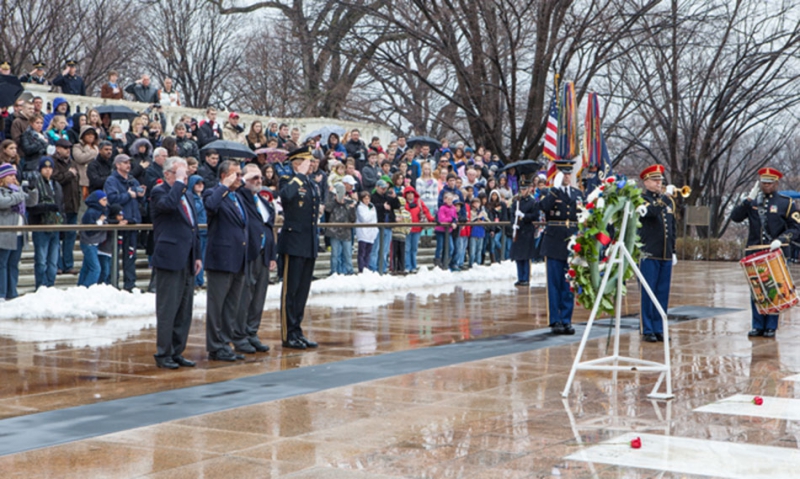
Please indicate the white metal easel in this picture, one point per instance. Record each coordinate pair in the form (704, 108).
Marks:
(618, 256)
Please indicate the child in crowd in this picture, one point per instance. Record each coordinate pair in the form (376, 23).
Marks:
(365, 213)
(446, 217)
(196, 186)
(96, 214)
(477, 232)
(106, 248)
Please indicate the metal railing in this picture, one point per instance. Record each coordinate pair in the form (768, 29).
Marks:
(382, 227)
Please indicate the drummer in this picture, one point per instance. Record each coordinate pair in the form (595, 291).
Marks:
(774, 222)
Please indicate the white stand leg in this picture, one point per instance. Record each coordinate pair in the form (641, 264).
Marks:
(618, 258)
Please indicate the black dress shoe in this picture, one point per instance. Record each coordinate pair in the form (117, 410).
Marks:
(659, 337)
(294, 344)
(166, 363)
(769, 333)
(244, 347)
(522, 283)
(256, 343)
(650, 338)
(309, 343)
(222, 355)
(755, 333)
(181, 361)
(557, 328)
(568, 329)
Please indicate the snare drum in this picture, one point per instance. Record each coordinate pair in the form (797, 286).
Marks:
(770, 281)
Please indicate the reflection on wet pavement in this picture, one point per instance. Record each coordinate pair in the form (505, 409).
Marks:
(499, 417)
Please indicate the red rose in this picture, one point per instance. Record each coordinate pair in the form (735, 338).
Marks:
(572, 273)
(577, 248)
(589, 206)
(758, 400)
(603, 238)
(610, 180)
(636, 443)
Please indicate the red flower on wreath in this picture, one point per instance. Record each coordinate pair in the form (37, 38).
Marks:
(572, 273)
(577, 248)
(589, 206)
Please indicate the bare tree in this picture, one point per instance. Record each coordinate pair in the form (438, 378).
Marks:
(189, 41)
(714, 86)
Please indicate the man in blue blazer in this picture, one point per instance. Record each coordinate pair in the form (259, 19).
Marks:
(261, 256)
(226, 257)
(176, 261)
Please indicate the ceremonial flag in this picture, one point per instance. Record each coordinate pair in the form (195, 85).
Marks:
(551, 138)
(595, 152)
(567, 123)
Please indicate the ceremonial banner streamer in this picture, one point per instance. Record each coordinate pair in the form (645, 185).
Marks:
(568, 145)
(595, 152)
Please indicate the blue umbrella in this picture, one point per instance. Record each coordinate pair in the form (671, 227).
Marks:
(10, 89)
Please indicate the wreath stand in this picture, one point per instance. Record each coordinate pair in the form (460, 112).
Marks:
(618, 257)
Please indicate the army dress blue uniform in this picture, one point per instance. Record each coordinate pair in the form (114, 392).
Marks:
(523, 247)
(560, 207)
(298, 243)
(771, 217)
(657, 235)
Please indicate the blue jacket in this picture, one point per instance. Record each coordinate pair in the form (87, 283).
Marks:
(116, 187)
(176, 239)
(258, 232)
(94, 210)
(226, 250)
(70, 85)
(49, 117)
(197, 201)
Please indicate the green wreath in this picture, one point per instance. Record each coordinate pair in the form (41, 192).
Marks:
(590, 246)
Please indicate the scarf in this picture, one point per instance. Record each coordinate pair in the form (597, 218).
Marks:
(19, 207)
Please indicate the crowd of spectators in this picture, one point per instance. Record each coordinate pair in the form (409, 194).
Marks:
(65, 167)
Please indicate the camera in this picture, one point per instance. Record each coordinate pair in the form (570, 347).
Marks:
(140, 189)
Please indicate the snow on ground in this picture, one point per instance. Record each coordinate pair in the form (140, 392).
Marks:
(100, 315)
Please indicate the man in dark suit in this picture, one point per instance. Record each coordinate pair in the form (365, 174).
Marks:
(298, 243)
(176, 258)
(560, 206)
(261, 257)
(226, 256)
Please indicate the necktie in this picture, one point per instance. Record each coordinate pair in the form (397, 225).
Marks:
(236, 201)
(263, 238)
(186, 211)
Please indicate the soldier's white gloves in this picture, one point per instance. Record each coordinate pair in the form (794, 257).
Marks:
(559, 180)
(674, 259)
(670, 190)
(519, 214)
(754, 192)
(774, 245)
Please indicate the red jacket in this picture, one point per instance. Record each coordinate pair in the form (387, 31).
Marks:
(417, 208)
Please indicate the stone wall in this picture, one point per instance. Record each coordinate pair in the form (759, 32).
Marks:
(173, 114)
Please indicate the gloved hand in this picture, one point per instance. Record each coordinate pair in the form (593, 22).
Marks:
(674, 259)
(51, 150)
(519, 214)
(670, 190)
(774, 245)
(515, 227)
(559, 180)
(754, 192)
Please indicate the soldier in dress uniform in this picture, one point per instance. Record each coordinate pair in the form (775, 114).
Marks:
(298, 243)
(774, 222)
(36, 75)
(657, 235)
(560, 207)
(526, 212)
(69, 81)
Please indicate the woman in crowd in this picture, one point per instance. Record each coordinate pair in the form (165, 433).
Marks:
(503, 189)
(365, 213)
(118, 139)
(74, 131)
(141, 156)
(93, 119)
(111, 88)
(446, 217)
(154, 134)
(13, 201)
(136, 131)
(8, 153)
(271, 180)
(335, 146)
(168, 95)
(441, 179)
(428, 189)
(57, 130)
(34, 146)
(496, 210)
(84, 152)
(255, 137)
(477, 232)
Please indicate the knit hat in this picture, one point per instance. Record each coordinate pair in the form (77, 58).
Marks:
(381, 184)
(45, 162)
(7, 169)
(98, 195)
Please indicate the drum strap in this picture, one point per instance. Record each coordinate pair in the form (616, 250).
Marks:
(762, 217)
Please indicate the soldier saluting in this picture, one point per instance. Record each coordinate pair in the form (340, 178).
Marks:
(298, 242)
(774, 221)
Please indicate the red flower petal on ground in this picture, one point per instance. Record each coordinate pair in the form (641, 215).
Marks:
(758, 400)
(636, 443)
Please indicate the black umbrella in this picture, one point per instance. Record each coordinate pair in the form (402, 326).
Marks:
(523, 167)
(117, 112)
(229, 149)
(10, 90)
(424, 140)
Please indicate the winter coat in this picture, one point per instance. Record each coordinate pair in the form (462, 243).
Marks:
(369, 176)
(98, 172)
(187, 147)
(116, 188)
(429, 193)
(20, 124)
(210, 175)
(143, 94)
(53, 136)
(59, 100)
(384, 215)
(107, 91)
(417, 209)
(446, 215)
(137, 170)
(70, 84)
(83, 154)
(197, 200)
(94, 210)
(233, 133)
(49, 207)
(69, 183)
(74, 129)
(10, 215)
(366, 214)
(34, 146)
(478, 216)
(358, 150)
(340, 213)
(208, 133)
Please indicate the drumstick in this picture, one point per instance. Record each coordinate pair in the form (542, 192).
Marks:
(763, 246)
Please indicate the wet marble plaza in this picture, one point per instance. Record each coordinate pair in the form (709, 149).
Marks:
(497, 417)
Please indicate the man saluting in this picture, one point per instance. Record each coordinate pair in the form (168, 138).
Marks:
(298, 243)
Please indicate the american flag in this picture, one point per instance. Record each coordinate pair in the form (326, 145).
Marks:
(551, 139)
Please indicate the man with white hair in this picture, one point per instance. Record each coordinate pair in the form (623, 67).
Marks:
(176, 258)
(143, 91)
